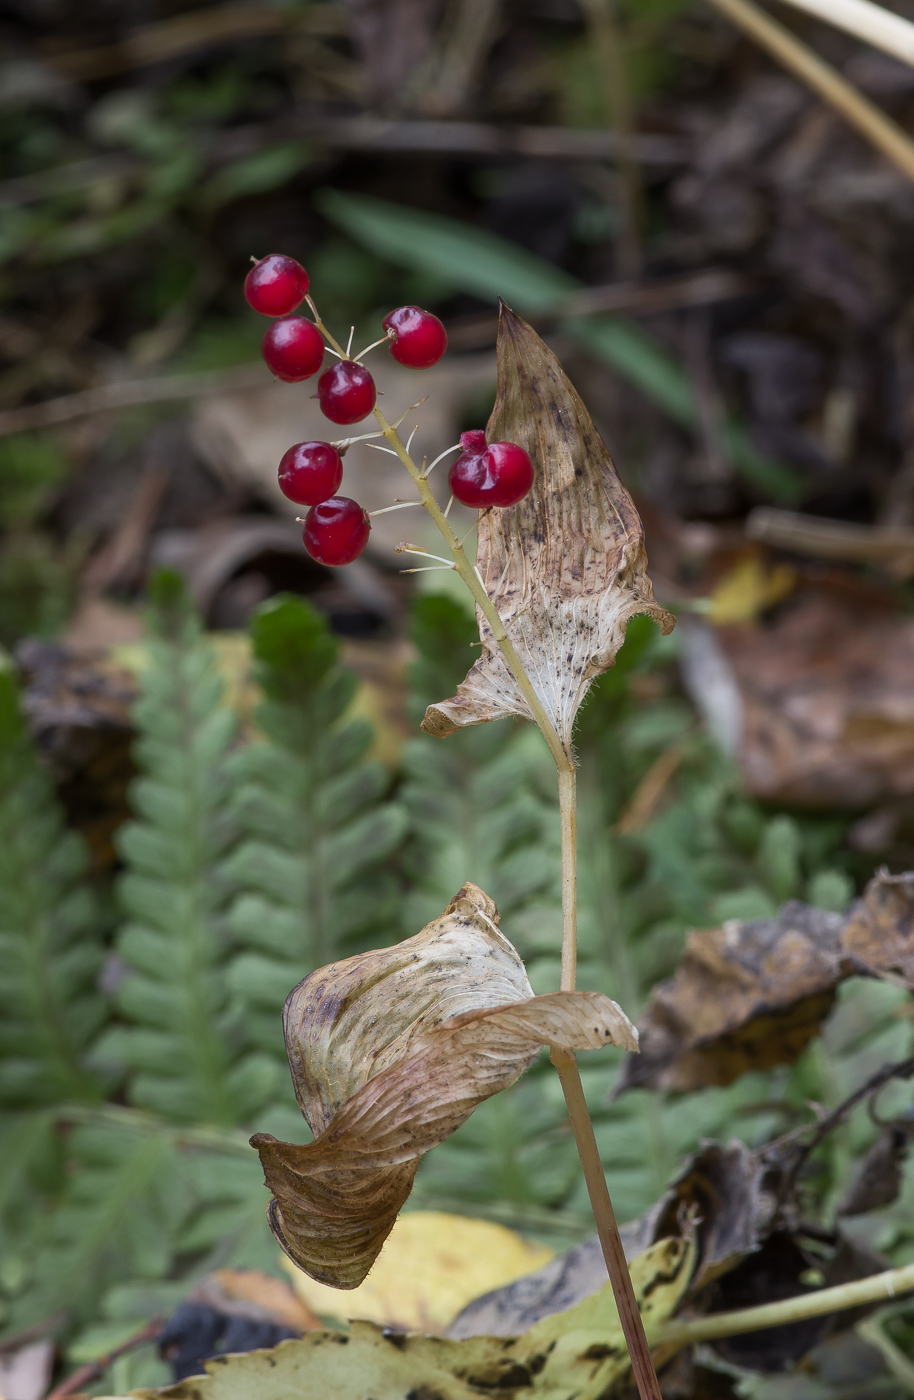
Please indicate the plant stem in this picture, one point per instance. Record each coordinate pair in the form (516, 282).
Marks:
(585, 1142)
(468, 573)
(569, 820)
(875, 1289)
(805, 64)
(570, 1079)
(607, 1229)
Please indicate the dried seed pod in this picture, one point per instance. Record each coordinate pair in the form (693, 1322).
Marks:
(565, 567)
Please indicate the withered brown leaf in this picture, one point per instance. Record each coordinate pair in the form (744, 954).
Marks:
(753, 993)
(566, 567)
(390, 1052)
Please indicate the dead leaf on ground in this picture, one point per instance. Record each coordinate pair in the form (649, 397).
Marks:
(575, 1355)
(827, 701)
(566, 567)
(748, 995)
(879, 930)
(753, 993)
(390, 1052)
(251, 1293)
(722, 1194)
(431, 1266)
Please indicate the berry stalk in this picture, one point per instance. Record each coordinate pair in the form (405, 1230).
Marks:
(468, 573)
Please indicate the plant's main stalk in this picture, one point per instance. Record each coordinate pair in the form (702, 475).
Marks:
(565, 1063)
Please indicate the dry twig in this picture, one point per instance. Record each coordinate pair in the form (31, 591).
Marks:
(806, 65)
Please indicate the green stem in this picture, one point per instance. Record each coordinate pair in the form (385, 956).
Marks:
(878, 1288)
(468, 573)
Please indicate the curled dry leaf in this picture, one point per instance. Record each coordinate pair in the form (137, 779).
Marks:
(566, 567)
(753, 993)
(390, 1052)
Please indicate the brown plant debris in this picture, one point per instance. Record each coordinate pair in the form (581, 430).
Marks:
(721, 1197)
(390, 1052)
(575, 1355)
(752, 994)
(566, 567)
(825, 687)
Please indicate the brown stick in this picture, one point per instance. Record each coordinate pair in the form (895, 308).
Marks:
(804, 63)
(128, 394)
(821, 538)
(85, 1375)
(607, 1229)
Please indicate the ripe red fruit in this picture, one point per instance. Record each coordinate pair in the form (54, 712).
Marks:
(418, 338)
(336, 531)
(310, 472)
(293, 348)
(275, 285)
(498, 475)
(346, 392)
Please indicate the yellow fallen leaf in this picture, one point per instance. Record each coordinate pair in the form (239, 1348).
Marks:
(431, 1266)
(747, 589)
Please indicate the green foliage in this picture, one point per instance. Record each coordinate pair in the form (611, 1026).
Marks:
(183, 1050)
(50, 951)
(475, 799)
(317, 832)
(31, 466)
(251, 859)
(37, 586)
(476, 261)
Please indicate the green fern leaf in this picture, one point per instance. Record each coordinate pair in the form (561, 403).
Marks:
(50, 937)
(182, 1048)
(311, 871)
(482, 803)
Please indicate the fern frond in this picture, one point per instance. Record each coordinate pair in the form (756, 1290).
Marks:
(310, 873)
(50, 935)
(482, 803)
(182, 1049)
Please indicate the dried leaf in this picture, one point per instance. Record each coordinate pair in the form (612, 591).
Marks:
(720, 1188)
(749, 995)
(752, 994)
(879, 932)
(877, 1180)
(431, 1266)
(566, 567)
(827, 702)
(574, 1355)
(390, 1052)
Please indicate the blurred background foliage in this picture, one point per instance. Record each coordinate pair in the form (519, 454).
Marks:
(211, 774)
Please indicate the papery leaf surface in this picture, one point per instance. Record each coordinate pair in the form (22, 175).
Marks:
(390, 1052)
(566, 568)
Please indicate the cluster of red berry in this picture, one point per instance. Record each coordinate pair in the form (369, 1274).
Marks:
(336, 527)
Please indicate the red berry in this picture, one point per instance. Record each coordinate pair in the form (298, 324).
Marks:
(418, 338)
(336, 531)
(310, 472)
(275, 285)
(346, 392)
(498, 475)
(293, 348)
